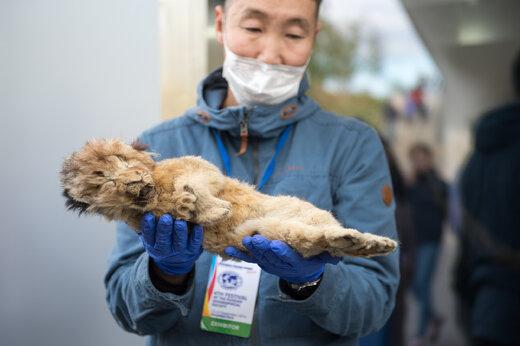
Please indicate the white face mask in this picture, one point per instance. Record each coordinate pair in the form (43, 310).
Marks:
(256, 83)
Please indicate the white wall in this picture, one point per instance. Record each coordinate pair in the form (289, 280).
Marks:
(477, 79)
(184, 53)
(69, 70)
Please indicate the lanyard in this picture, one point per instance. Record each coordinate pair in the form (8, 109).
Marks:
(270, 166)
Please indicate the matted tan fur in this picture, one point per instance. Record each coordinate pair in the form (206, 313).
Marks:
(122, 182)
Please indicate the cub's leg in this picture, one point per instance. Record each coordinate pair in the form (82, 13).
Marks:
(310, 240)
(305, 239)
(194, 198)
(340, 241)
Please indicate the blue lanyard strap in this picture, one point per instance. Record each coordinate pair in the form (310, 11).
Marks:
(270, 166)
(272, 163)
(223, 152)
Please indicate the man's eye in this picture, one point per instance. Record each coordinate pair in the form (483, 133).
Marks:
(253, 29)
(294, 37)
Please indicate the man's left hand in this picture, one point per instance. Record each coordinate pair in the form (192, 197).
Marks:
(278, 258)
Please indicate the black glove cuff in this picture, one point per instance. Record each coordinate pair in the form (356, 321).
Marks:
(298, 294)
(166, 287)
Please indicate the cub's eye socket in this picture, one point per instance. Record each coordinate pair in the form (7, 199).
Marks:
(122, 160)
(98, 173)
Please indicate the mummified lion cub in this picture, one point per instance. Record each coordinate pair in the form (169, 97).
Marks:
(122, 182)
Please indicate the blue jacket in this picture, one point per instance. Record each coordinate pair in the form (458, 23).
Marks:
(336, 163)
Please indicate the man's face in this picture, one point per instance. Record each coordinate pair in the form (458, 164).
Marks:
(272, 31)
(421, 162)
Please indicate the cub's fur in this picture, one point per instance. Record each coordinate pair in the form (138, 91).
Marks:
(122, 182)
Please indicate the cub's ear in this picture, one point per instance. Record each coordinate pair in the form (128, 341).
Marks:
(74, 205)
(139, 146)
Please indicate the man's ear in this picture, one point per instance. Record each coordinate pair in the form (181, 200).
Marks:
(318, 29)
(316, 32)
(219, 23)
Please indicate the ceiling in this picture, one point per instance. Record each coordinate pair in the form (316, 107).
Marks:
(473, 42)
(465, 22)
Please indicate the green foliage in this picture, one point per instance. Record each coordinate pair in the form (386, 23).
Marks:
(334, 53)
(335, 58)
(375, 55)
(362, 106)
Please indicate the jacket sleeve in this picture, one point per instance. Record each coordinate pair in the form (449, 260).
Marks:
(357, 296)
(135, 303)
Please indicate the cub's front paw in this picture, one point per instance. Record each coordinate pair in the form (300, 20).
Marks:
(185, 205)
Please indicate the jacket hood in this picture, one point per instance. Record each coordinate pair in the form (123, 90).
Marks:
(498, 129)
(263, 121)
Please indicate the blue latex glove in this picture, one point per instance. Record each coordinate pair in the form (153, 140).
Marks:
(168, 244)
(278, 258)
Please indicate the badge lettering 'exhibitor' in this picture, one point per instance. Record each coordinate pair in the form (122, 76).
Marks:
(230, 299)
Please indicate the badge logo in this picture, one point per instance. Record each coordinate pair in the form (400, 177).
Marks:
(230, 280)
(387, 195)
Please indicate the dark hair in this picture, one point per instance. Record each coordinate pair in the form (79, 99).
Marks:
(516, 74)
(223, 3)
(421, 148)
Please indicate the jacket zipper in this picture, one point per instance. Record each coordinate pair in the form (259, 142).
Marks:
(244, 133)
(256, 162)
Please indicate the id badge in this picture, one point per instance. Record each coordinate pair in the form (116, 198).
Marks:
(230, 298)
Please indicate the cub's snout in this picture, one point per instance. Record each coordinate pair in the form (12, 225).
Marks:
(146, 194)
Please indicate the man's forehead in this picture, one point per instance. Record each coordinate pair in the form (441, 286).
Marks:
(297, 12)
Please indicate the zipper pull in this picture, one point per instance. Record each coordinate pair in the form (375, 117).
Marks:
(243, 136)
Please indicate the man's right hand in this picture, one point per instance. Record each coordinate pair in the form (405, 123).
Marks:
(170, 247)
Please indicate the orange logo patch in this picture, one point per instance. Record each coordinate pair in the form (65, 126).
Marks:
(387, 195)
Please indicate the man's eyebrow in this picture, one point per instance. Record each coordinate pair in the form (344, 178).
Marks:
(249, 13)
(301, 22)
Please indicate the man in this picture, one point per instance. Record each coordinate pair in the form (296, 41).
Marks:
(428, 203)
(488, 269)
(254, 120)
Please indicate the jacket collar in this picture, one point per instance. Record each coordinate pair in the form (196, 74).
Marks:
(262, 121)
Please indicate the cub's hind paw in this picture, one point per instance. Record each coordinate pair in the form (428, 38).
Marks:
(219, 211)
(372, 245)
(349, 242)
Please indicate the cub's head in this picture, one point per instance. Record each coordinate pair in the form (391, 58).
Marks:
(109, 177)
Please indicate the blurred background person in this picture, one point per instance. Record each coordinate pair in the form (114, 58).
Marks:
(393, 333)
(428, 202)
(390, 117)
(410, 108)
(407, 256)
(417, 97)
(488, 270)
